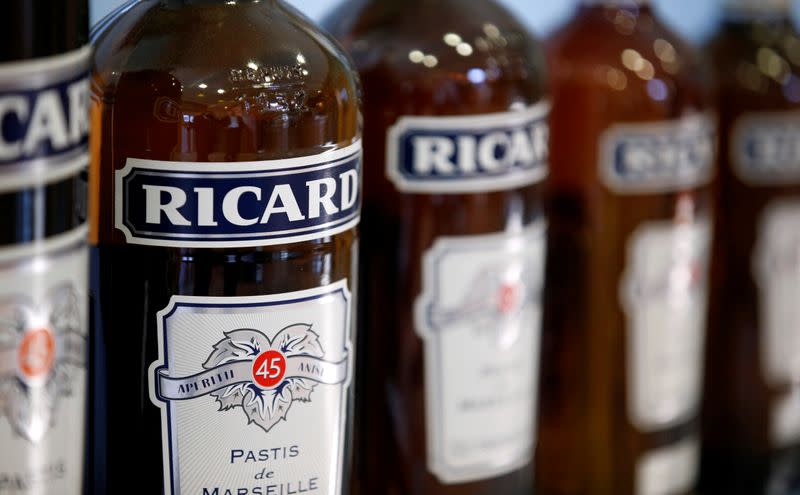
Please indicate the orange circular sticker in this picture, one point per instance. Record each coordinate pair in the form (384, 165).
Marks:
(36, 353)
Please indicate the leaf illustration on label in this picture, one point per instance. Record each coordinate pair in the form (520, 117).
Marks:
(238, 345)
(12, 323)
(41, 348)
(265, 406)
(65, 314)
(30, 412)
(297, 340)
(302, 389)
(231, 397)
(8, 335)
(62, 380)
(497, 291)
(492, 303)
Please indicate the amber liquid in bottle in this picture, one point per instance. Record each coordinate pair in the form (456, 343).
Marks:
(752, 411)
(213, 83)
(628, 205)
(440, 78)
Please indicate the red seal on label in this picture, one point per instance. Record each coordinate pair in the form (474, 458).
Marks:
(36, 353)
(508, 298)
(269, 368)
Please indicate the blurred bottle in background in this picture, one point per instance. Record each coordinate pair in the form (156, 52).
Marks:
(226, 193)
(629, 204)
(752, 416)
(456, 147)
(693, 19)
(44, 153)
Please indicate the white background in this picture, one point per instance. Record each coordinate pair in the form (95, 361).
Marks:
(695, 19)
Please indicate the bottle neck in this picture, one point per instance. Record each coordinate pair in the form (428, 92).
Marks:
(182, 3)
(406, 3)
(635, 7)
(632, 8)
(616, 3)
(758, 8)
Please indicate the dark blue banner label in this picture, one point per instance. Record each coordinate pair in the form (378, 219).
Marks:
(44, 119)
(239, 204)
(765, 148)
(474, 153)
(658, 157)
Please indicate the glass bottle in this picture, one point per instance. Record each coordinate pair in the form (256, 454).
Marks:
(455, 123)
(752, 411)
(44, 260)
(629, 205)
(225, 195)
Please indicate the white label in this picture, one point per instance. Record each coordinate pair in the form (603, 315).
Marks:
(776, 263)
(253, 392)
(777, 270)
(664, 293)
(479, 315)
(43, 332)
(658, 157)
(669, 471)
(765, 148)
(786, 419)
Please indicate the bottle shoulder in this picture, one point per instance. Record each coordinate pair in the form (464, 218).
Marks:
(474, 42)
(759, 60)
(214, 49)
(629, 59)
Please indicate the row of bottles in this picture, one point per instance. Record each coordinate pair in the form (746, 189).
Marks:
(515, 302)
